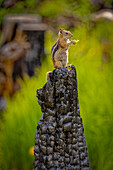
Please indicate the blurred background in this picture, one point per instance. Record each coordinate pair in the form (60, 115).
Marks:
(28, 30)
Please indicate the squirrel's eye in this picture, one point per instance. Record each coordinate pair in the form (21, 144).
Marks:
(66, 32)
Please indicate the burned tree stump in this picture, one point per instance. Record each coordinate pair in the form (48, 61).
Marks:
(59, 139)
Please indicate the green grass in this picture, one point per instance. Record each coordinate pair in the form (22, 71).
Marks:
(95, 90)
(19, 129)
(95, 87)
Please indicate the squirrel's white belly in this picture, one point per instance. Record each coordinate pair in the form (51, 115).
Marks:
(62, 56)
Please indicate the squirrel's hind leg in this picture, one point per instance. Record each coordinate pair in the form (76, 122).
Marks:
(58, 64)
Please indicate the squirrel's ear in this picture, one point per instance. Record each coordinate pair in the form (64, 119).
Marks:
(60, 30)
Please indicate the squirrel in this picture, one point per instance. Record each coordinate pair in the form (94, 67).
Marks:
(59, 51)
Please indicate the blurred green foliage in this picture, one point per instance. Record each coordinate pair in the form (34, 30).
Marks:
(48, 8)
(95, 90)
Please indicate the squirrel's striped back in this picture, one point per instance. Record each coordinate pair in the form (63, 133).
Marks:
(54, 49)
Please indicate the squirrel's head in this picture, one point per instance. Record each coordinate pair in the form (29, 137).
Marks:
(64, 33)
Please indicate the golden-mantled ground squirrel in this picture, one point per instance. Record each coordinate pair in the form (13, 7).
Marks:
(59, 51)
